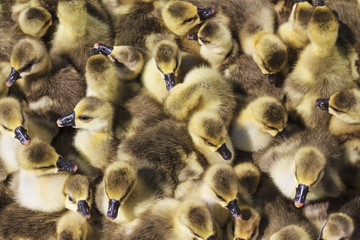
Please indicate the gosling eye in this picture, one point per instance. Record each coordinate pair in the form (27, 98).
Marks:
(204, 40)
(220, 197)
(84, 118)
(89, 195)
(71, 199)
(197, 235)
(26, 66)
(253, 234)
(209, 143)
(336, 110)
(5, 128)
(189, 20)
(272, 128)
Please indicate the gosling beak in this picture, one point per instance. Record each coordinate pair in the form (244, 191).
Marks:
(300, 196)
(322, 103)
(113, 209)
(205, 13)
(192, 36)
(67, 121)
(320, 3)
(21, 135)
(84, 209)
(239, 239)
(212, 237)
(101, 48)
(272, 78)
(66, 166)
(169, 80)
(224, 152)
(234, 209)
(14, 75)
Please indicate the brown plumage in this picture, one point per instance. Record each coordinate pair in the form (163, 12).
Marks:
(47, 90)
(279, 214)
(332, 72)
(169, 218)
(34, 224)
(168, 145)
(324, 176)
(77, 33)
(133, 27)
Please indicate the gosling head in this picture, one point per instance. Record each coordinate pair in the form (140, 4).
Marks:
(209, 133)
(167, 60)
(214, 37)
(40, 158)
(270, 54)
(291, 232)
(180, 16)
(12, 120)
(90, 113)
(309, 169)
(344, 105)
(120, 180)
(29, 57)
(128, 60)
(193, 218)
(246, 227)
(35, 21)
(78, 195)
(268, 115)
(338, 226)
(222, 185)
(323, 27)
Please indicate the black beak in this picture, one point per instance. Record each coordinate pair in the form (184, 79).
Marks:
(300, 1)
(170, 80)
(300, 196)
(66, 166)
(192, 36)
(224, 152)
(67, 121)
(20, 133)
(240, 239)
(272, 78)
(94, 51)
(101, 48)
(205, 13)
(84, 209)
(323, 103)
(234, 209)
(212, 237)
(320, 3)
(14, 75)
(113, 209)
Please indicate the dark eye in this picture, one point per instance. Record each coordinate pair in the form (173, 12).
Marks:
(267, 69)
(272, 128)
(204, 40)
(5, 128)
(253, 234)
(176, 65)
(89, 195)
(70, 199)
(189, 20)
(84, 118)
(336, 110)
(197, 235)
(220, 197)
(26, 66)
(209, 143)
